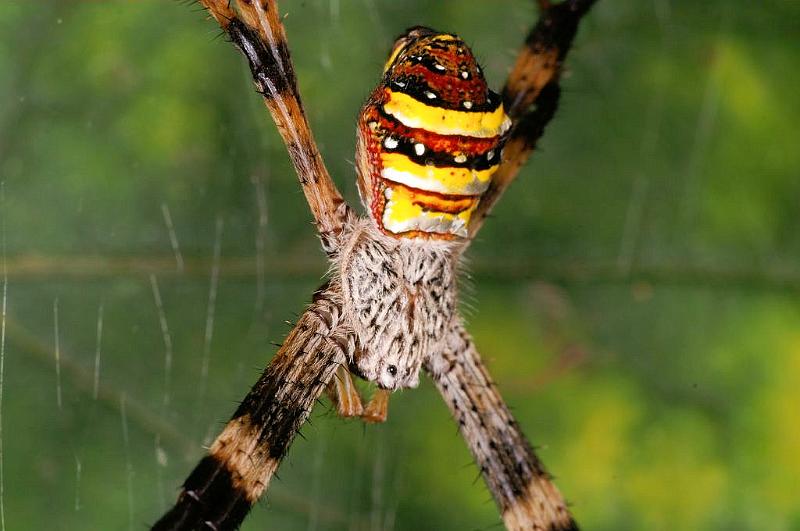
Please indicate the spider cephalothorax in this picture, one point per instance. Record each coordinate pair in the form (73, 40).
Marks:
(399, 300)
(429, 138)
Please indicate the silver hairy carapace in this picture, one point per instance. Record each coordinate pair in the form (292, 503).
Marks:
(389, 308)
(399, 300)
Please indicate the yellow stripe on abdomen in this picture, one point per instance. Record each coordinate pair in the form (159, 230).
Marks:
(415, 114)
(414, 210)
(399, 168)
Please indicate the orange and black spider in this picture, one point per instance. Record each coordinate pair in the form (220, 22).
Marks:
(436, 149)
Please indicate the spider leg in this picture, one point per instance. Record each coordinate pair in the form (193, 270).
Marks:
(530, 95)
(516, 478)
(221, 489)
(377, 409)
(343, 392)
(259, 34)
(220, 10)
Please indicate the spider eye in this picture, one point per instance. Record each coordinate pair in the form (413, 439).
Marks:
(392, 370)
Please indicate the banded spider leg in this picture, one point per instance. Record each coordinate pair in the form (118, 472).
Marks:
(259, 35)
(531, 92)
(520, 485)
(221, 489)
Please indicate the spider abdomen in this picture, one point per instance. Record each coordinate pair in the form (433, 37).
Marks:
(429, 138)
(400, 299)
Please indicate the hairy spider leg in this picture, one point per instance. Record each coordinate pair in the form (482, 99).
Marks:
(520, 485)
(531, 93)
(260, 36)
(222, 488)
(377, 409)
(343, 393)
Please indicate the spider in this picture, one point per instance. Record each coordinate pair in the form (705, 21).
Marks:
(436, 148)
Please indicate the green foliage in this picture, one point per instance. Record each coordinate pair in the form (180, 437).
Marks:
(635, 294)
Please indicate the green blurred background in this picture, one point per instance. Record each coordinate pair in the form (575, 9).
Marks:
(636, 294)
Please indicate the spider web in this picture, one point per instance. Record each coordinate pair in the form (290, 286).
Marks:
(635, 294)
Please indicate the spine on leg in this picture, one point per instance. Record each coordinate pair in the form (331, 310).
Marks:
(219, 492)
(518, 481)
